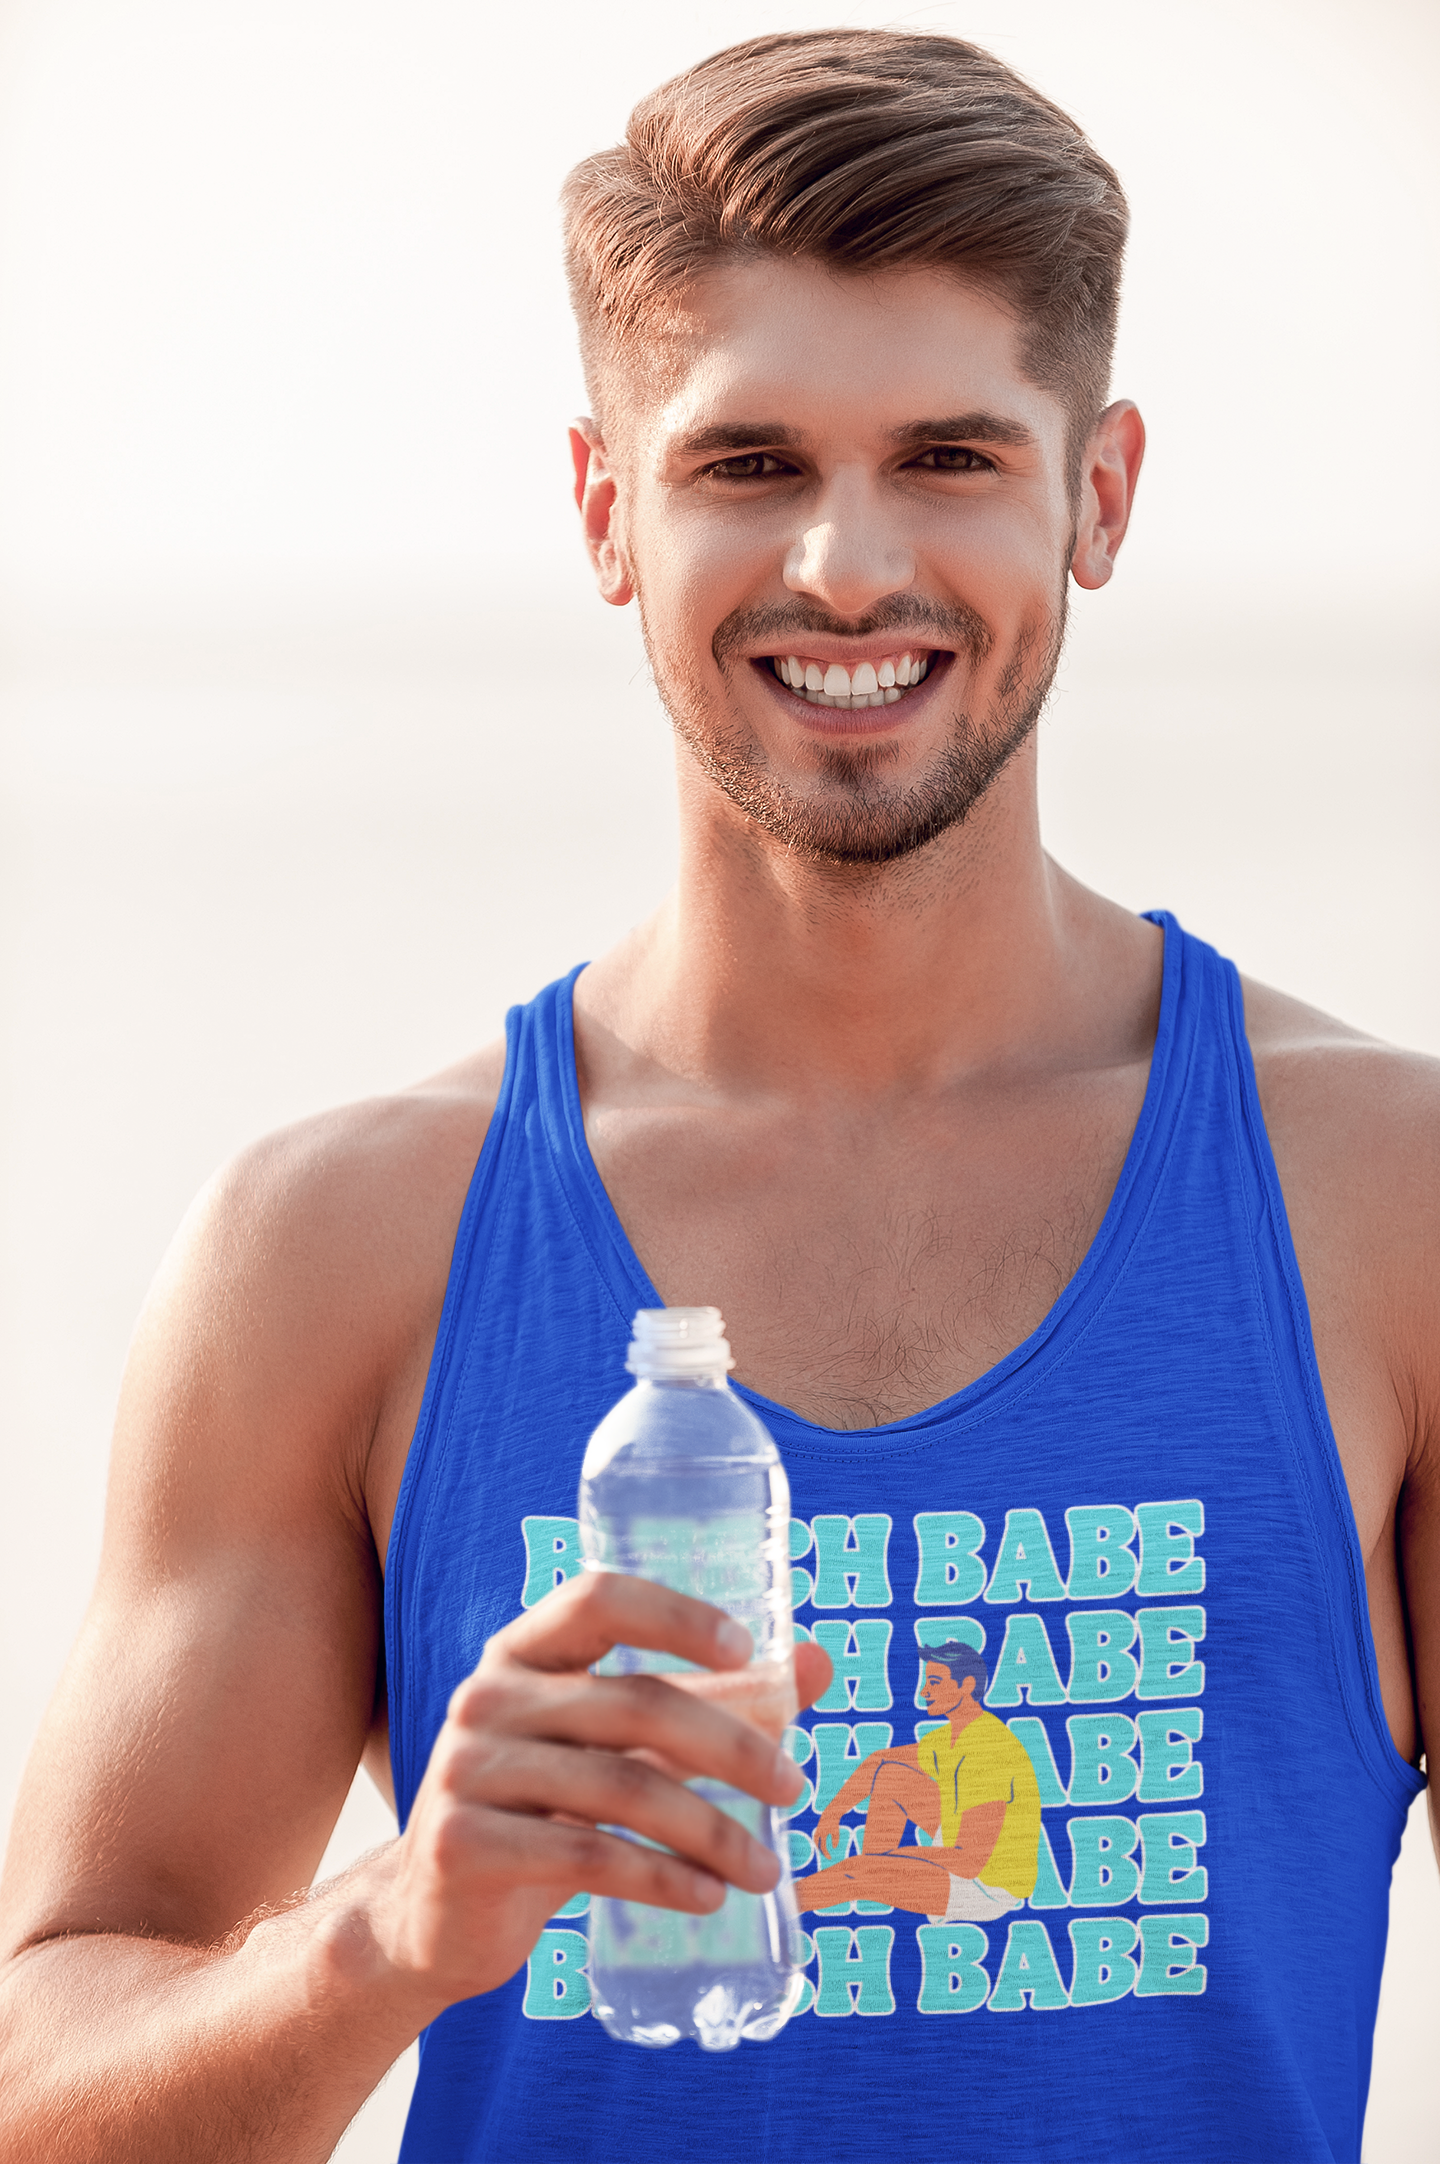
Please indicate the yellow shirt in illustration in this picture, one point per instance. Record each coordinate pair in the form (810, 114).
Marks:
(985, 1764)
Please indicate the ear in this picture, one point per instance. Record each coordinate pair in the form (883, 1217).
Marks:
(1108, 474)
(597, 495)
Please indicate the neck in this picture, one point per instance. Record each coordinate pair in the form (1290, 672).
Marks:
(767, 969)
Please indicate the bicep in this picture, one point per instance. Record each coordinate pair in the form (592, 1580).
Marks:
(216, 1703)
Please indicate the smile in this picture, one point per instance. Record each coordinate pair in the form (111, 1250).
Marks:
(869, 683)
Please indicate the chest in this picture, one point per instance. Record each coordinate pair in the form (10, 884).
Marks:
(870, 1265)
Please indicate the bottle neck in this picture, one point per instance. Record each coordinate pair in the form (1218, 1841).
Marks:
(703, 1379)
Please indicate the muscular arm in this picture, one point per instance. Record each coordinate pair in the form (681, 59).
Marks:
(167, 1990)
(1355, 1128)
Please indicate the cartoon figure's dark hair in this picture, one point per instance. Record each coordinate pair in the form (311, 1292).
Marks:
(962, 1661)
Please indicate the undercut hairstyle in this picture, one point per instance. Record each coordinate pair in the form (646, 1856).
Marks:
(962, 1661)
(863, 151)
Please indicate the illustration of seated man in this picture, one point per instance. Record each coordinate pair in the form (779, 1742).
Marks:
(969, 1785)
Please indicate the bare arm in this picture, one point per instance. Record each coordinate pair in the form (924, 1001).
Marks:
(1355, 1128)
(856, 1789)
(167, 1991)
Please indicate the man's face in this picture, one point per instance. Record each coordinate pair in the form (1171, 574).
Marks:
(941, 1693)
(847, 523)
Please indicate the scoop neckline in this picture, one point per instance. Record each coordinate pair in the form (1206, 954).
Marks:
(1021, 1369)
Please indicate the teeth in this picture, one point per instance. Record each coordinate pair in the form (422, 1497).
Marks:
(867, 685)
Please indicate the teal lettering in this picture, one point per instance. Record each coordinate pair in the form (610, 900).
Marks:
(949, 1542)
(839, 1748)
(859, 1653)
(851, 1561)
(1169, 1840)
(1032, 1735)
(1028, 1971)
(1102, 1968)
(802, 1585)
(1105, 1875)
(1051, 1891)
(1100, 1669)
(1169, 1770)
(802, 1851)
(1167, 1955)
(577, 1905)
(951, 1978)
(1026, 1562)
(941, 1630)
(1102, 1565)
(1026, 1667)
(552, 1554)
(1101, 1770)
(1168, 1667)
(556, 1986)
(854, 1970)
(1168, 1562)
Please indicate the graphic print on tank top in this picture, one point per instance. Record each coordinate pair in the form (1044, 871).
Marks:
(1115, 1840)
(1098, 1621)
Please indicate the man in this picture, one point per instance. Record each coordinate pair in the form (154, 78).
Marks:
(1036, 1297)
(967, 1780)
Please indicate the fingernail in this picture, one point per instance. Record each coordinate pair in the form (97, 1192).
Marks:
(733, 1639)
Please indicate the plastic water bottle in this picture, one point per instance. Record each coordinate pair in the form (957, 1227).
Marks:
(681, 1483)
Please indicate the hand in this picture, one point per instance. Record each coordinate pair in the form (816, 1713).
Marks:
(537, 1754)
(828, 1831)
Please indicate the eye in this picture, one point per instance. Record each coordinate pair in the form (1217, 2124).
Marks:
(953, 458)
(747, 466)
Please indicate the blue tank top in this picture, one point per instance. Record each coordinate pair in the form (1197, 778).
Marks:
(1139, 1520)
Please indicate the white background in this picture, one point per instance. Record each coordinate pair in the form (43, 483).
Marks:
(318, 752)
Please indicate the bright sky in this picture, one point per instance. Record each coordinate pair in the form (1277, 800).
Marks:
(281, 317)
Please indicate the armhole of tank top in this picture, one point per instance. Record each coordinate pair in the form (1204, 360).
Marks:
(1319, 1473)
(417, 1457)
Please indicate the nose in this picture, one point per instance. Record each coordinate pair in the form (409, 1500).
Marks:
(848, 555)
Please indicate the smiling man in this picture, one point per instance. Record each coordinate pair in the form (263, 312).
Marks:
(1086, 1290)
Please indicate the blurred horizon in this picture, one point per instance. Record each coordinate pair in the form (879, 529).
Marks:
(319, 749)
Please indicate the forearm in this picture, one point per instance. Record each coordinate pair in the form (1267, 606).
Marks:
(121, 2050)
(857, 1789)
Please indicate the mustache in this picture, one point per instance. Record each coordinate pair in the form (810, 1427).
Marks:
(949, 626)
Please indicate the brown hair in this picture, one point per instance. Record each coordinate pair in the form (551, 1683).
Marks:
(864, 150)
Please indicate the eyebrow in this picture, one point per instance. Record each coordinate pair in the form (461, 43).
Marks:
(742, 437)
(951, 428)
(959, 427)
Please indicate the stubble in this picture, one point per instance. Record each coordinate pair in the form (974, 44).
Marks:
(855, 810)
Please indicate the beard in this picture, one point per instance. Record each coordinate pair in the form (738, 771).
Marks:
(856, 811)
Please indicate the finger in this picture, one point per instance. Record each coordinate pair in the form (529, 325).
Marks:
(627, 1713)
(502, 1849)
(813, 1671)
(579, 1622)
(599, 1787)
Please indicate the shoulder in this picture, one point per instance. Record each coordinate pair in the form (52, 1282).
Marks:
(1359, 1116)
(1354, 1125)
(307, 1279)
